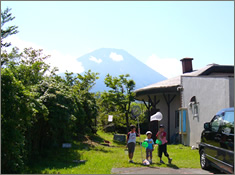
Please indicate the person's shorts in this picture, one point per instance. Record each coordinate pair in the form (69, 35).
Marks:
(131, 147)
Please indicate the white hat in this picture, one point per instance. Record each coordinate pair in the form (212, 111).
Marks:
(148, 132)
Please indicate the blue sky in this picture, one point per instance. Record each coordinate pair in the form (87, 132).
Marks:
(157, 33)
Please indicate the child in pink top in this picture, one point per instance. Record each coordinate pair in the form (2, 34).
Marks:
(161, 135)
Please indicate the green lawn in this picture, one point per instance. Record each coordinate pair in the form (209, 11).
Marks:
(101, 159)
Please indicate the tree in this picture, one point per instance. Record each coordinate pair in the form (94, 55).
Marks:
(121, 94)
(10, 30)
(39, 111)
(82, 87)
(19, 108)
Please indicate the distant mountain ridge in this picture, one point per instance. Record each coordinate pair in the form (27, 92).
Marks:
(117, 62)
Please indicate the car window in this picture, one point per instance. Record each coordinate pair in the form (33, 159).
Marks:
(228, 124)
(229, 117)
(216, 123)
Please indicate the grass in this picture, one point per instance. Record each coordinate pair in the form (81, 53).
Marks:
(101, 159)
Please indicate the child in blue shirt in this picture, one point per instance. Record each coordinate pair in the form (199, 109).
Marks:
(150, 147)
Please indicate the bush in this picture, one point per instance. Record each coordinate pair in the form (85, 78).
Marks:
(41, 112)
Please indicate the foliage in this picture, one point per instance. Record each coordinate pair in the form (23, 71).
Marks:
(118, 102)
(118, 99)
(10, 30)
(40, 112)
(19, 106)
(83, 85)
(119, 123)
(14, 121)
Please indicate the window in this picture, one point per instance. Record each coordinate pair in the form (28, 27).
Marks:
(177, 119)
(194, 106)
(229, 117)
(195, 109)
(228, 124)
(216, 123)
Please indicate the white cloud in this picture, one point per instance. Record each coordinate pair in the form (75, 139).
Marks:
(16, 41)
(116, 57)
(168, 67)
(60, 60)
(65, 62)
(95, 59)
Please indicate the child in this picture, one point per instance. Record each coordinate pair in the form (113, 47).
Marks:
(131, 140)
(150, 147)
(161, 135)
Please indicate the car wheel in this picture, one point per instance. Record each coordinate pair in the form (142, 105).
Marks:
(204, 161)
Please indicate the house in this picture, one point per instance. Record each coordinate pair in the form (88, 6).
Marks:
(189, 100)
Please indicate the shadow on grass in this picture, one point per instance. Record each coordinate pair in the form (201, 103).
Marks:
(96, 138)
(88, 147)
(119, 143)
(58, 159)
(81, 146)
(103, 150)
(141, 164)
(43, 167)
(61, 158)
(100, 140)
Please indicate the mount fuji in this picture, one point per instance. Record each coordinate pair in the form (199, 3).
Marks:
(116, 62)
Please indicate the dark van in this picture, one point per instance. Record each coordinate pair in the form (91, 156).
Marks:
(217, 142)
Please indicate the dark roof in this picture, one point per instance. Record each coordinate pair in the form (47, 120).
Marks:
(218, 69)
(211, 68)
(171, 85)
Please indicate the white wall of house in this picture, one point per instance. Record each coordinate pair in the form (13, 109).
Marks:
(231, 91)
(213, 94)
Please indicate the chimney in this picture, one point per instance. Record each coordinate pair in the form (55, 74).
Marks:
(187, 65)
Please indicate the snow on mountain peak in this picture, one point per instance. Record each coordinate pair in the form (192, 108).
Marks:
(115, 57)
(92, 58)
(116, 62)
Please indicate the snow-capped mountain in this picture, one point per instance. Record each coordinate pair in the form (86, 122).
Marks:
(117, 62)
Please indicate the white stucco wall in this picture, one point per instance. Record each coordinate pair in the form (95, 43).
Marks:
(231, 91)
(213, 94)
